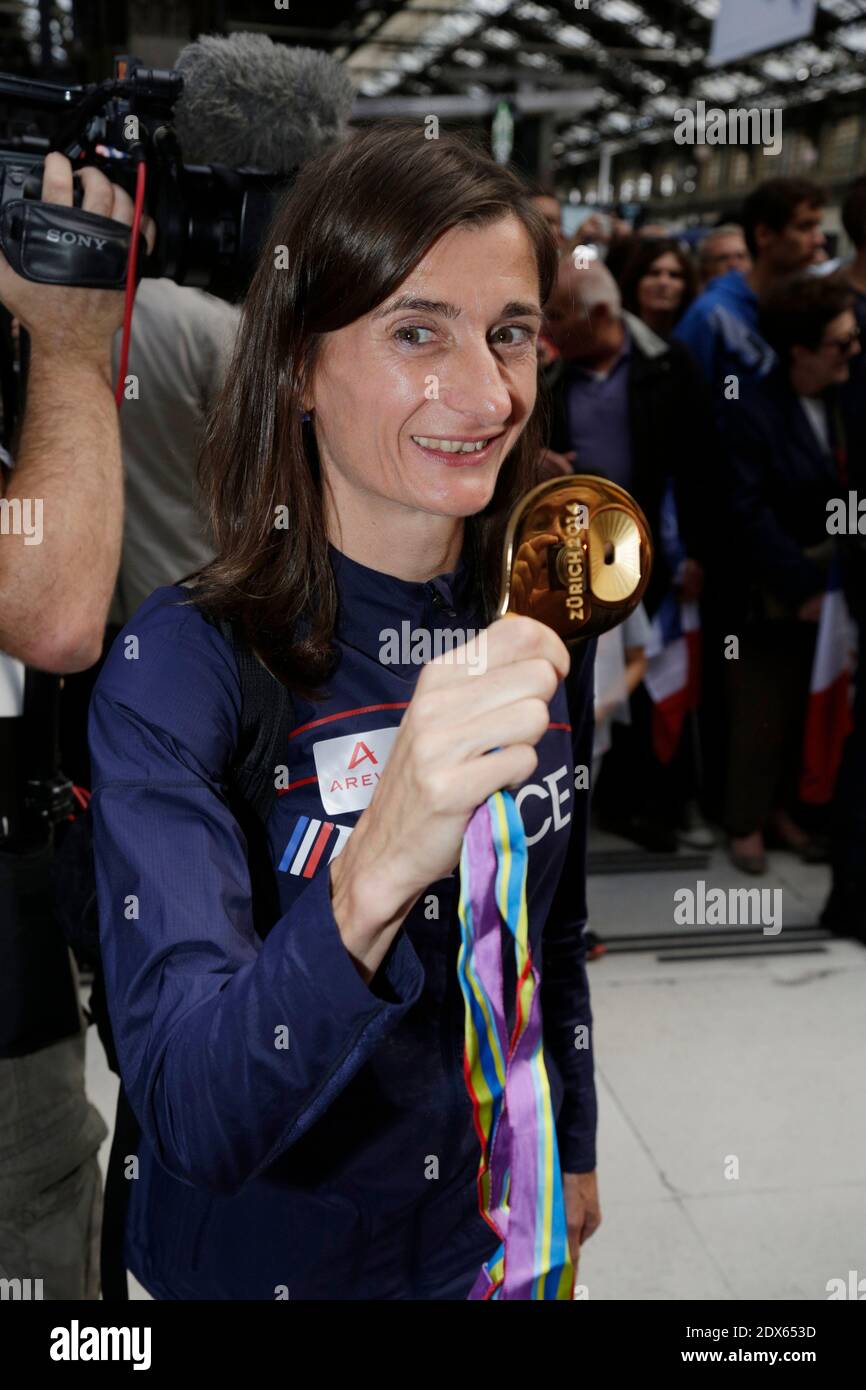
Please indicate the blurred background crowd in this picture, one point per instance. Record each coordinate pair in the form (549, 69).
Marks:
(719, 378)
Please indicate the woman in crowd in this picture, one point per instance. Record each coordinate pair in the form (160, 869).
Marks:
(658, 284)
(305, 1126)
(785, 461)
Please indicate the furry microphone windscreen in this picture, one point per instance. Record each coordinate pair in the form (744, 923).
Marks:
(249, 101)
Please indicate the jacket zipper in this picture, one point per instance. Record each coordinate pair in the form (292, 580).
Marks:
(439, 602)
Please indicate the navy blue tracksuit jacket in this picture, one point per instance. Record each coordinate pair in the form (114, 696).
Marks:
(305, 1134)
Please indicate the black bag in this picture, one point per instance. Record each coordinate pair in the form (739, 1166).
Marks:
(39, 1000)
(265, 725)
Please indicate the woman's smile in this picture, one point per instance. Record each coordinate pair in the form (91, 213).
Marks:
(457, 451)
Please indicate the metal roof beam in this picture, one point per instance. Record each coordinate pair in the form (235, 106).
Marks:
(569, 103)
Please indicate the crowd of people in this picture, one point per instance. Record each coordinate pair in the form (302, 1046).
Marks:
(724, 387)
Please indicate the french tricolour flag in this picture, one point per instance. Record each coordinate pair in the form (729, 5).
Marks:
(673, 678)
(828, 713)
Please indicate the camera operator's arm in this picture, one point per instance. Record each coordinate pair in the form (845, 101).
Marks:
(54, 593)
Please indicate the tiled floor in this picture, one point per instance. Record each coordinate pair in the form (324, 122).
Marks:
(732, 1123)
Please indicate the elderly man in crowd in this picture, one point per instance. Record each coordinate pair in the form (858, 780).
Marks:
(629, 406)
(722, 249)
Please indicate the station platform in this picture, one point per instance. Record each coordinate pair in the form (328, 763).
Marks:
(713, 1044)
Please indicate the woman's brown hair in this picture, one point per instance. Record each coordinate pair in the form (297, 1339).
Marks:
(355, 223)
(796, 311)
(642, 258)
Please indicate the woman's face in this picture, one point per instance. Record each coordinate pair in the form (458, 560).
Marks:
(829, 364)
(398, 391)
(661, 289)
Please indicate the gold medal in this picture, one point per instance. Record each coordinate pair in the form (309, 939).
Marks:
(577, 556)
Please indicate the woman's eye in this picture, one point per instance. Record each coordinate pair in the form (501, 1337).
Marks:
(413, 328)
(410, 334)
(528, 334)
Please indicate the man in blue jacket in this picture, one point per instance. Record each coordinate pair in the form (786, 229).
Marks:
(782, 227)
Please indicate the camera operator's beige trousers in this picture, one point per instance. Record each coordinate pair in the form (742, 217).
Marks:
(50, 1182)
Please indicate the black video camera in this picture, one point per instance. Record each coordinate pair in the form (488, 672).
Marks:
(210, 220)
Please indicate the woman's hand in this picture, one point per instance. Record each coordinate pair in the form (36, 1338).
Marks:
(810, 611)
(582, 1210)
(689, 580)
(440, 769)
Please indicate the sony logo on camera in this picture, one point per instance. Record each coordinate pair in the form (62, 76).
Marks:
(56, 234)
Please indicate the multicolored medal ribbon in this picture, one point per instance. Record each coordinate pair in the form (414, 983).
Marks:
(577, 557)
(519, 1179)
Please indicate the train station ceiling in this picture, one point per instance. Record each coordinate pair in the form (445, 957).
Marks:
(638, 60)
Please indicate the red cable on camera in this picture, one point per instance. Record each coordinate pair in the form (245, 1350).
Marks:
(131, 264)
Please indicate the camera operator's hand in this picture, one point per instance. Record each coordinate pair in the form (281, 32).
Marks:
(440, 768)
(62, 319)
(54, 594)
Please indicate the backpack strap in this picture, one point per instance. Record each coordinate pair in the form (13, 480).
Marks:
(267, 713)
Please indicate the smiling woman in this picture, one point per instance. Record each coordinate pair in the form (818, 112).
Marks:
(297, 1074)
(405, 321)
(486, 243)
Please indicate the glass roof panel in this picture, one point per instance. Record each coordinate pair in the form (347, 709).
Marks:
(621, 11)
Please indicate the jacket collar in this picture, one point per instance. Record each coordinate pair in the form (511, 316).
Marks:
(371, 602)
(731, 288)
(647, 342)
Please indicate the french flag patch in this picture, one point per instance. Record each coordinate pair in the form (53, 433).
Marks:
(308, 843)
